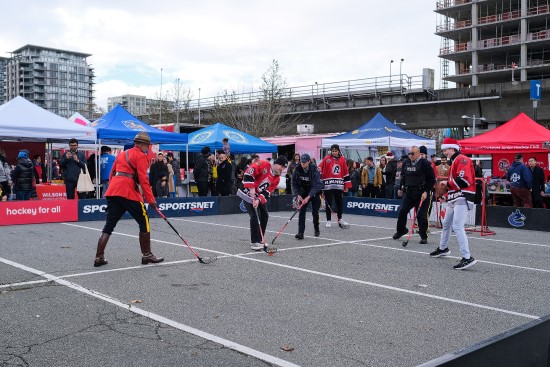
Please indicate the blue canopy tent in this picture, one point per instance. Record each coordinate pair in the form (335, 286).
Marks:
(120, 126)
(378, 131)
(212, 136)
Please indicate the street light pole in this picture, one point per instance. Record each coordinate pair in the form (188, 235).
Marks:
(160, 100)
(199, 106)
(391, 62)
(474, 118)
(177, 127)
(401, 76)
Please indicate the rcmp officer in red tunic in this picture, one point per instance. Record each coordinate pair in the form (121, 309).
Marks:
(123, 195)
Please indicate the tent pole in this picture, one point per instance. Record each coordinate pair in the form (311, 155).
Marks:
(187, 168)
(97, 171)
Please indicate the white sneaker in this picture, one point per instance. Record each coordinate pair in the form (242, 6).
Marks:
(328, 224)
(343, 224)
(256, 246)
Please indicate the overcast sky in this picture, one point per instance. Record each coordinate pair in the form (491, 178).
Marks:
(216, 45)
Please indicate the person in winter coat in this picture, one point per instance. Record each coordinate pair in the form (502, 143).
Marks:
(307, 186)
(5, 174)
(521, 181)
(224, 181)
(23, 177)
(389, 175)
(156, 171)
(177, 173)
(73, 163)
(201, 171)
(354, 178)
(371, 179)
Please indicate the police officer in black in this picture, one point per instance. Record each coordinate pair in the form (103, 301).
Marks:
(307, 185)
(417, 180)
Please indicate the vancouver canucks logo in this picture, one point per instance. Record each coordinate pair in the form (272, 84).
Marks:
(516, 219)
(200, 137)
(242, 207)
(133, 125)
(235, 136)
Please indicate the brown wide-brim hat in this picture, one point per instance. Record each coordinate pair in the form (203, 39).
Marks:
(142, 137)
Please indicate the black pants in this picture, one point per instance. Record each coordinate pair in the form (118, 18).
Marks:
(337, 196)
(370, 191)
(255, 235)
(202, 188)
(117, 206)
(412, 200)
(315, 206)
(70, 187)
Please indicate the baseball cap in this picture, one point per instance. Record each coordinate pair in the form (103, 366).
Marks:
(305, 158)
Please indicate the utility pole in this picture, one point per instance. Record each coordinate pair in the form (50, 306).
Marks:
(160, 100)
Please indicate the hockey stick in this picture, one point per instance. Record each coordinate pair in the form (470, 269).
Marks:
(202, 260)
(288, 221)
(270, 250)
(413, 221)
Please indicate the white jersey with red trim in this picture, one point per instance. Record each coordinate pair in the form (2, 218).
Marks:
(334, 173)
(462, 181)
(259, 176)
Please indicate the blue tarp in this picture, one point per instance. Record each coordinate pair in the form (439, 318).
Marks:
(378, 131)
(212, 136)
(120, 126)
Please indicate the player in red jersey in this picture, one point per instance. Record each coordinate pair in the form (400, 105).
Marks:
(335, 178)
(460, 197)
(259, 180)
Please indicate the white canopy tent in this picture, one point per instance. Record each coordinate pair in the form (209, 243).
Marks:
(21, 120)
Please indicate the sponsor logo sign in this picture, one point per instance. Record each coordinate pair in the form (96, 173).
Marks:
(38, 211)
(374, 207)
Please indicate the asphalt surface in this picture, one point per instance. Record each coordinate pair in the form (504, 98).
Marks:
(351, 297)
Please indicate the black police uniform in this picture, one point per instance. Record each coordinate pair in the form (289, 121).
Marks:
(308, 183)
(415, 180)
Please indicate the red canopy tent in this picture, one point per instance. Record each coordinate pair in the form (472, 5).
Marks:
(519, 135)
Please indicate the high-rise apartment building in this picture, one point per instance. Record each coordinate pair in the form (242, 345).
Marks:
(58, 80)
(136, 105)
(494, 41)
(3, 63)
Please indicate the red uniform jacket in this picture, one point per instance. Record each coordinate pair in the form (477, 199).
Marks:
(462, 181)
(260, 176)
(334, 173)
(124, 186)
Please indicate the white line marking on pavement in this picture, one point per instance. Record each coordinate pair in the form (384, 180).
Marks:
(216, 339)
(22, 284)
(378, 285)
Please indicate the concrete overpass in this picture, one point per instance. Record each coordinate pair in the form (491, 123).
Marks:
(405, 100)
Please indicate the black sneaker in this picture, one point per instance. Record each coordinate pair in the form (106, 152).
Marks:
(317, 233)
(397, 235)
(465, 263)
(423, 241)
(439, 253)
(299, 236)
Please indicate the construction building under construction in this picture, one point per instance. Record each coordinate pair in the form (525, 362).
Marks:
(493, 41)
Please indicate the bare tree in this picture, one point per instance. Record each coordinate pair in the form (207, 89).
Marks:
(262, 113)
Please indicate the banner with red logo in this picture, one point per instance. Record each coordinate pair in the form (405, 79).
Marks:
(38, 211)
(502, 161)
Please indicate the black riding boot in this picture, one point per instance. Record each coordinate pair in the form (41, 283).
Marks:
(145, 244)
(100, 252)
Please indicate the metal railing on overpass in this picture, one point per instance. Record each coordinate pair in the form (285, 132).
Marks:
(348, 89)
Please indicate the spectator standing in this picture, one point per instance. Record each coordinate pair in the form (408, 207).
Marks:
(201, 171)
(547, 193)
(73, 163)
(444, 168)
(417, 182)
(162, 190)
(106, 160)
(459, 202)
(239, 172)
(335, 177)
(40, 171)
(371, 179)
(382, 166)
(123, 195)
(212, 174)
(537, 191)
(155, 172)
(354, 178)
(521, 180)
(224, 182)
(5, 174)
(226, 147)
(424, 155)
(23, 177)
(307, 185)
(177, 173)
(397, 182)
(170, 175)
(389, 175)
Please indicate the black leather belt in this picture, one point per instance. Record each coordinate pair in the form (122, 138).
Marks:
(124, 174)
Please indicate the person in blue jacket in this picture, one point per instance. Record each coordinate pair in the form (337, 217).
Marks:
(521, 180)
(106, 160)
